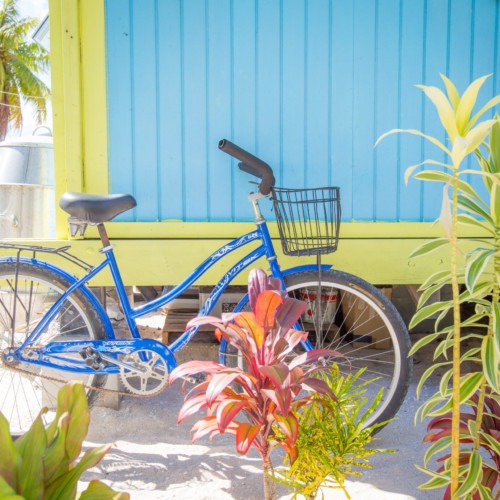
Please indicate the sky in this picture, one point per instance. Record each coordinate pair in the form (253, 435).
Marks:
(38, 9)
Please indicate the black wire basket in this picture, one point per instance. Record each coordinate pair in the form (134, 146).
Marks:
(308, 219)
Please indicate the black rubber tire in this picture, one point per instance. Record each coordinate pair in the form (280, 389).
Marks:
(349, 307)
(78, 320)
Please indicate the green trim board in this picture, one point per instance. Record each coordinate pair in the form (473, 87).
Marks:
(211, 230)
(168, 261)
(79, 98)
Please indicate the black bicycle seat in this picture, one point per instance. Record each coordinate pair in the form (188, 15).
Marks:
(96, 208)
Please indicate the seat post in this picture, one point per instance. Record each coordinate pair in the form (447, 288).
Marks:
(103, 235)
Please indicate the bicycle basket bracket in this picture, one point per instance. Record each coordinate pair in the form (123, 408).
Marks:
(308, 219)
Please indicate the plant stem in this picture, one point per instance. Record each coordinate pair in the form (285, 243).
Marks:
(268, 494)
(479, 414)
(455, 419)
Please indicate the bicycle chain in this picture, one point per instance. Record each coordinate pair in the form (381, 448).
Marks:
(87, 386)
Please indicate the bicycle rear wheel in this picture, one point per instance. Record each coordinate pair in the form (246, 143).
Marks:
(26, 388)
(356, 319)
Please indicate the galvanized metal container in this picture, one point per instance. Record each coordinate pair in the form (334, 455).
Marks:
(27, 204)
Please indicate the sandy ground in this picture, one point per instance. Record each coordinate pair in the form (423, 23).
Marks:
(153, 457)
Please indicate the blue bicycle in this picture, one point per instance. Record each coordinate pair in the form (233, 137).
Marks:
(53, 328)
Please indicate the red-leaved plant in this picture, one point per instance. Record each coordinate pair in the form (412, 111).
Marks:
(253, 402)
(486, 470)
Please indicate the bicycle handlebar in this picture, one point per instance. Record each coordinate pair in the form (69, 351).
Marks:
(250, 164)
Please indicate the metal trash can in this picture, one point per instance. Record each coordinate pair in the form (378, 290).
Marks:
(27, 204)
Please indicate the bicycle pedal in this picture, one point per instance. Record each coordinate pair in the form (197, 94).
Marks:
(92, 358)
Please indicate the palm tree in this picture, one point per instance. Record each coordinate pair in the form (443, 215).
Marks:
(20, 61)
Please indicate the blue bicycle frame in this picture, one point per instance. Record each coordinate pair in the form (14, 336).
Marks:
(112, 346)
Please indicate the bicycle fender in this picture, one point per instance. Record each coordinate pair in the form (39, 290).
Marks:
(71, 279)
(306, 267)
(287, 272)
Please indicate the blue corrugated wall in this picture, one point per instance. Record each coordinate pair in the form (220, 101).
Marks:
(306, 85)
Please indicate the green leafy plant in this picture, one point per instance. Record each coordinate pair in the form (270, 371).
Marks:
(332, 439)
(45, 462)
(464, 206)
(257, 403)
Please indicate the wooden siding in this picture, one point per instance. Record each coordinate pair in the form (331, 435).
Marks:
(85, 128)
(306, 85)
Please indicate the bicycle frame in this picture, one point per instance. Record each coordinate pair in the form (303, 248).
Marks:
(115, 346)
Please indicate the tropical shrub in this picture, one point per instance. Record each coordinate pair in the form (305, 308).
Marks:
(44, 462)
(463, 205)
(333, 438)
(257, 403)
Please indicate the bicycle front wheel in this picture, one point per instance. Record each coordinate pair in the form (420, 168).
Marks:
(351, 316)
(355, 318)
(26, 293)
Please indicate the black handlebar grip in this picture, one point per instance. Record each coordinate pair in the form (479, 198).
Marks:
(250, 164)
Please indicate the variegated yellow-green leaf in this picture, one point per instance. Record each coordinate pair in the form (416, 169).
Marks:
(490, 104)
(476, 265)
(437, 447)
(434, 141)
(428, 311)
(491, 362)
(472, 427)
(429, 407)
(474, 474)
(494, 177)
(444, 108)
(495, 204)
(437, 481)
(428, 294)
(467, 103)
(458, 151)
(428, 247)
(434, 175)
(493, 443)
(471, 221)
(469, 384)
(442, 348)
(428, 372)
(444, 383)
(496, 327)
(486, 167)
(472, 206)
(477, 135)
(440, 277)
(466, 188)
(445, 218)
(426, 339)
(494, 164)
(452, 92)
(409, 171)
(484, 492)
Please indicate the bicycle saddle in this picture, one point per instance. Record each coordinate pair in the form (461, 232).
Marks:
(96, 208)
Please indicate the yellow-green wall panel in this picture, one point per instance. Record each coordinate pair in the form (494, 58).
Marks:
(94, 106)
(166, 262)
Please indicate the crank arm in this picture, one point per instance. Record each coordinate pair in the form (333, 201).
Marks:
(122, 364)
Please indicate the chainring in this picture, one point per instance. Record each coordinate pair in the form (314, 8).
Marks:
(154, 375)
